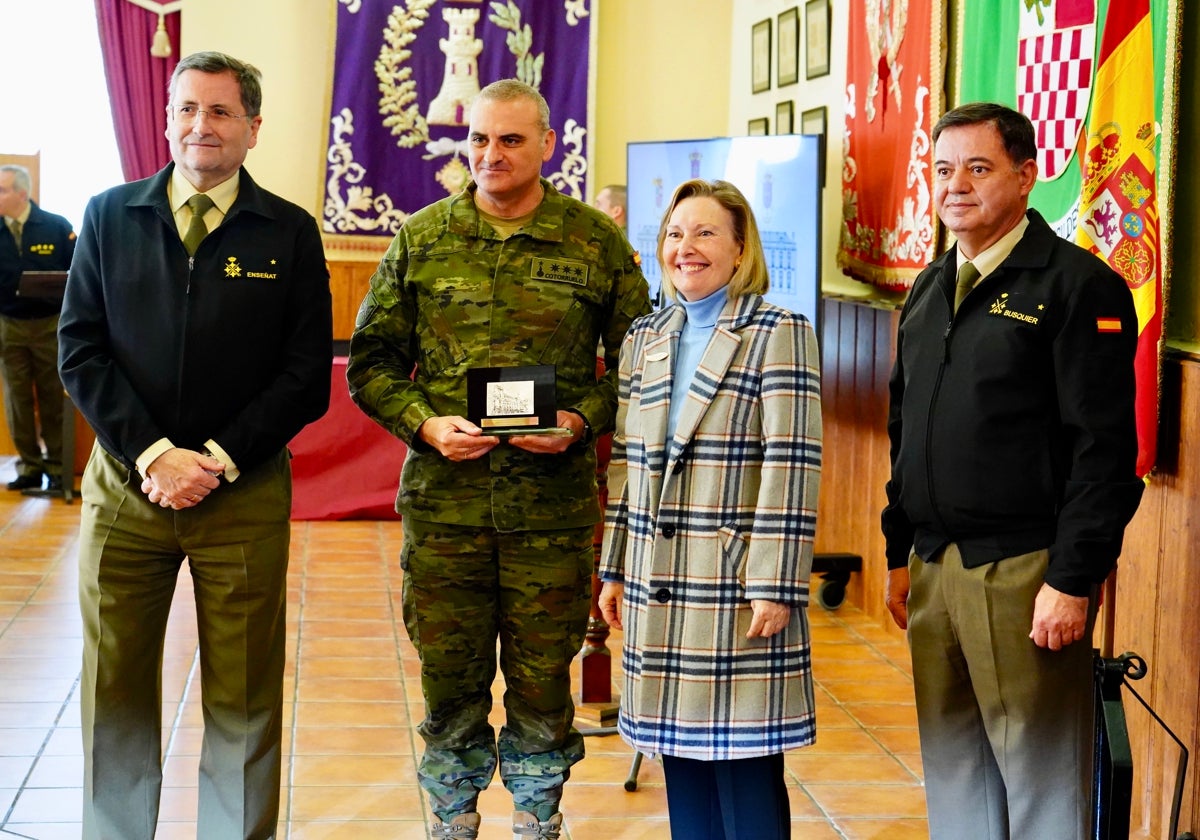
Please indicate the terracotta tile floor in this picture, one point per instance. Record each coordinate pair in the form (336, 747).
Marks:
(354, 698)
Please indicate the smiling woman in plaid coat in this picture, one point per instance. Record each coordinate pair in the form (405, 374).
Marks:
(709, 530)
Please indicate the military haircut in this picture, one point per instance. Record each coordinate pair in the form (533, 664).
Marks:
(248, 77)
(617, 194)
(1015, 129)
(508, 90)
(751, 275)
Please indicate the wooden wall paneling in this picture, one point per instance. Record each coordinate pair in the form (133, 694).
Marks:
(1136, 630)
(348, 284)
(831, 503)
(856, 360)
(874, 559)
(1156, 613)
(1178, 632)
(864, 483)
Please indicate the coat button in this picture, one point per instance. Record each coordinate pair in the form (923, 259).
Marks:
(663, 595)
(668, 531)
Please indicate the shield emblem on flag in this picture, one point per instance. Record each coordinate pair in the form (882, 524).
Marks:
(1055, 57)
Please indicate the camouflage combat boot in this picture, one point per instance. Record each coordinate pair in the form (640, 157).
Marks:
(462, 827)
(526, 825)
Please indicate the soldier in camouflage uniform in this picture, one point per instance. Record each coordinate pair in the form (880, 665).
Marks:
(497, 532)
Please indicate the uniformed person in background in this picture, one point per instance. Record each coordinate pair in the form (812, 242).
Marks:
(31, 240)
(498, 534)
(611, 202)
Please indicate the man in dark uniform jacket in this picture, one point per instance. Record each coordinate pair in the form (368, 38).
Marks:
(1013, 450)
(31, 240)
(196, 338)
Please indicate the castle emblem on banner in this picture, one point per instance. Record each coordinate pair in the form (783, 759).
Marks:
(1056, 52)
(405, 76)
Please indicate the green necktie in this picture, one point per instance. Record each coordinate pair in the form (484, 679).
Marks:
(15, 227)
(967, 277)
(197, 230)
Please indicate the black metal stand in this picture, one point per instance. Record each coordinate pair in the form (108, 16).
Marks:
(1112, 775)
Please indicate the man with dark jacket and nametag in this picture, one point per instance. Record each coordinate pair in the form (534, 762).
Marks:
(31, 240)
(196, 338)
(1013, 477)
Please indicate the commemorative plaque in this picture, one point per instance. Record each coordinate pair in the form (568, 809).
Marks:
(505, 401)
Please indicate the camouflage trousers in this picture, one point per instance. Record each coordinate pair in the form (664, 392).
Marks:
(464, 588)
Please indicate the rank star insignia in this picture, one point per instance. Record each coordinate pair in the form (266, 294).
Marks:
(560, 271)
(232, 269)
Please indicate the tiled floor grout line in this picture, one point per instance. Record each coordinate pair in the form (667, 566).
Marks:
(285, 818)
(66, 703)
(399, 634)
(345, 605)
(180, 707)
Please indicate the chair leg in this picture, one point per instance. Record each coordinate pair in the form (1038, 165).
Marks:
(631, 782)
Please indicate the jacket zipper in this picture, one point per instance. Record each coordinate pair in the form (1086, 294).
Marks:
(933, 400)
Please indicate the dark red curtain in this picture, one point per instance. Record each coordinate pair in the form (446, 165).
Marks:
(137, 83)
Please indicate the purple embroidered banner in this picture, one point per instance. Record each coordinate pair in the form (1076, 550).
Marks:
(405, 74)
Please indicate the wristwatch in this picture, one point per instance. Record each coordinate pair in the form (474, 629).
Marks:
(586, 437)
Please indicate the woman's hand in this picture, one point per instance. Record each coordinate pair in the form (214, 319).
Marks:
(611, 595)
(769, 618)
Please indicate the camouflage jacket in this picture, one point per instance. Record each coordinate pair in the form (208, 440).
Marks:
(450, 295)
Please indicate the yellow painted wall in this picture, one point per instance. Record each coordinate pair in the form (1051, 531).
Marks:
(291, 42)
(662, 73)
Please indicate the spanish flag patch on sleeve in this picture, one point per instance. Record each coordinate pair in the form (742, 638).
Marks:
(1108, 325)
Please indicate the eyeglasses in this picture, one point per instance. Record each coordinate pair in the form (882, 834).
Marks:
(188, 114)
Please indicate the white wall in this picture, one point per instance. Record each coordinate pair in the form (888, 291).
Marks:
(805, 94)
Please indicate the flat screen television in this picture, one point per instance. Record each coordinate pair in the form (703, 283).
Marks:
(780, 175)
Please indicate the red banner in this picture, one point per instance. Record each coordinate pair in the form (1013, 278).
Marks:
(893, 98)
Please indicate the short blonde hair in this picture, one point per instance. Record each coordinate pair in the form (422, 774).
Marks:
(751, 275)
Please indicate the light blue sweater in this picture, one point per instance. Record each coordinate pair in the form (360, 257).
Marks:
(701, 320)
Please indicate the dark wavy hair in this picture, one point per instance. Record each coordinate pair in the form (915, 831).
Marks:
(1015, 129)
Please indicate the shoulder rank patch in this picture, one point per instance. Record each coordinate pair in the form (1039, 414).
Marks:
(559, 271)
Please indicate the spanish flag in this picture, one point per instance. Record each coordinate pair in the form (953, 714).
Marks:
(1118, 216)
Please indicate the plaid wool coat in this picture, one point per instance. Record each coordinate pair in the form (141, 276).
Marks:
(699, 525)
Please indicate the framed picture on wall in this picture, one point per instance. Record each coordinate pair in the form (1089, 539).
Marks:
(788, 66)
(783, 117)
(760, 56)
(816, 38)
(813, 121)
(758, 127)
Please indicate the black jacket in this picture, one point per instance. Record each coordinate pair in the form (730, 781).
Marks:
(235, 346)
(47, 243)
(1012, 423)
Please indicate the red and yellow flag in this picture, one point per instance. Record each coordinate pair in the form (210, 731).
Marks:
(1118, 216)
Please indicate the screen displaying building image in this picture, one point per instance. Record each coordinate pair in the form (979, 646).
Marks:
(780, 177)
